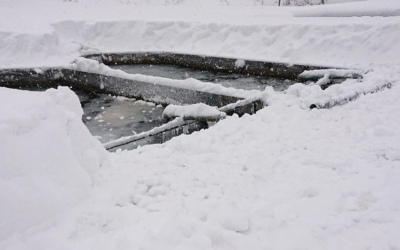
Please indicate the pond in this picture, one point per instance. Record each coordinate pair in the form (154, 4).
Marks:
(233, 80)
(109, 117)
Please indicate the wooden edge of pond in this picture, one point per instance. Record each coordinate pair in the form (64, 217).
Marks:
(54, 77)
(161, 94)
(209, 63)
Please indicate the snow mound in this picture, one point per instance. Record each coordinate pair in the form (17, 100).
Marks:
(48, 156)
(195, 110)
(293, 35)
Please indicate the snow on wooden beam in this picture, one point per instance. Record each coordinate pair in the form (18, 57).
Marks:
(158, 93)
(209, 63)
(331, 74)
(343, 100)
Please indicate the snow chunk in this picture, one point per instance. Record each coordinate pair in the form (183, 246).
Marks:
(141, 102)
(195, 110)
(240, 63)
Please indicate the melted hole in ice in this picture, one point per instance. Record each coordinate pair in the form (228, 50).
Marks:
(238, 81)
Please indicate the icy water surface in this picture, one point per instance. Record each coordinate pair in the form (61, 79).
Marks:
(109, 118)
(227, 80)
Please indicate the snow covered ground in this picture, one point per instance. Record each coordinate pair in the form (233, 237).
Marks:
(48, 33)
(285, 178)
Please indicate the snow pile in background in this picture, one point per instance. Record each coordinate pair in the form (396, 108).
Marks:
(195, 110)
(215, 3)
(323, 42)
(48, 156)
(347, 8)
(66, 30)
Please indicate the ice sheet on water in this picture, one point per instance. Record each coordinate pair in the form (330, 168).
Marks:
(109, 117)
(238, 81)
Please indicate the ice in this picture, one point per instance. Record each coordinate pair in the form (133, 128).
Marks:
(119, 116)
(228, 80)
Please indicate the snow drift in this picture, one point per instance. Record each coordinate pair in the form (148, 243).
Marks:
(48, 156)
(67, 30)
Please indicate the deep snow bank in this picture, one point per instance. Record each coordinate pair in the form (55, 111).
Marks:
(284, 178)
(48, 156)
(329, 42)
(309, 41)
(67, 30)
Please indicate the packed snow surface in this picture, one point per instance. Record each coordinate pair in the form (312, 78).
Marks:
(325, 179)
(48, 157)
(285, 178)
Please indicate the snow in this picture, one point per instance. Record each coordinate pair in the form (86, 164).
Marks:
(58, 32)
(177, 122)
(371, 8)
(48, 157)
(324, 80)
(240, 63)
(141, 102)
(336, 72)
(285, 178)
(322, 178)
(194, 110)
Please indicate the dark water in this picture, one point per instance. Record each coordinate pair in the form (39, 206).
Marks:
(109, 118)
(227, 80)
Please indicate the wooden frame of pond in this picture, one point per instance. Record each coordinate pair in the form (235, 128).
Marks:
(209, 63)
(158, 93)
